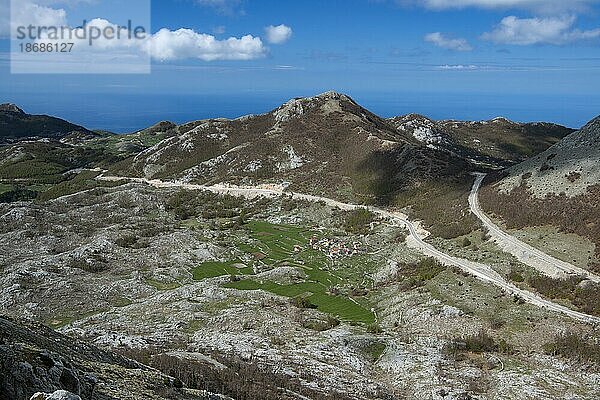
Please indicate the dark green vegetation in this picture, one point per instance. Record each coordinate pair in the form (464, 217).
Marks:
(187, 204)
(16, 124)
(274, 245)
(16, 193)
(482, 342)
(70, 183)
(585, 296)
(48, 169)
(418, 274)
(576, 347)
(359, 221)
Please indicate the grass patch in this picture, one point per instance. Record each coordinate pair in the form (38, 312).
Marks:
(61, 321)
(315, 292)
(274, 245)
(213, 269)
(194, 326)
(121, 302)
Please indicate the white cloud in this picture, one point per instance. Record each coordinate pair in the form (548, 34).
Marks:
(542, 6)
(168, 45)
(38, 14)
(459, 67)
(528, 31)
(278, 34)
(165, 45)
(445, 42)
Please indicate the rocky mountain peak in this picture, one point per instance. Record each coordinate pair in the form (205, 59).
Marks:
(9, 107)
(501, 120)
(420, 127)
(327, 103)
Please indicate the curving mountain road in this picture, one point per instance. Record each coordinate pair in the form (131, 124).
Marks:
(414, 239)
(524, 252)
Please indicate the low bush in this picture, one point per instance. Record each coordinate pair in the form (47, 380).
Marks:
(17, 194)
(481, 342)
(302, 302)
(575, 347)
(359, 221)
(416, 275)
(374, 329)
(516, 276)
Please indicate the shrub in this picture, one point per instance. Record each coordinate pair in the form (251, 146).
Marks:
(241, 380)
(554, 288)
(321, 325)
(466, 242)
(417, 274)
(126, 241)
(515, 276)
(519, 209)
(302, 302)
(18, 194)
(374, 329)
(358, 221)
(573, 346)
(481, 342)
(573, 176)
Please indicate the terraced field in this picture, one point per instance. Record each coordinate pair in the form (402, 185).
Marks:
(273, 246)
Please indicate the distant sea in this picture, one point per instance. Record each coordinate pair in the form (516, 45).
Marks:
(123, 113)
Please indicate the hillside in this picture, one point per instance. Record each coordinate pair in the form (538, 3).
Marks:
(16, 125)
(281, 297)
(558, 187)
(326, 144)
(34, 358)
(496, 142)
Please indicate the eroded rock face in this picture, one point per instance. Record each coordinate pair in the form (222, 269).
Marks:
(37, 363)
(26, 369)
(58, 395)
(11, 108)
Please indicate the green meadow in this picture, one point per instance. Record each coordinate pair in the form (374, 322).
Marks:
(274, 245)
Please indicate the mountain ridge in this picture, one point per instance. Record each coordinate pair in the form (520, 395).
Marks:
(558, 187)
(17, 125)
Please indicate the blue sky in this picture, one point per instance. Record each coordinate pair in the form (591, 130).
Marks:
(467, 59)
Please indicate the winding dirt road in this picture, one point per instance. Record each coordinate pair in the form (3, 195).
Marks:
(415, 239)
(524, 252)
